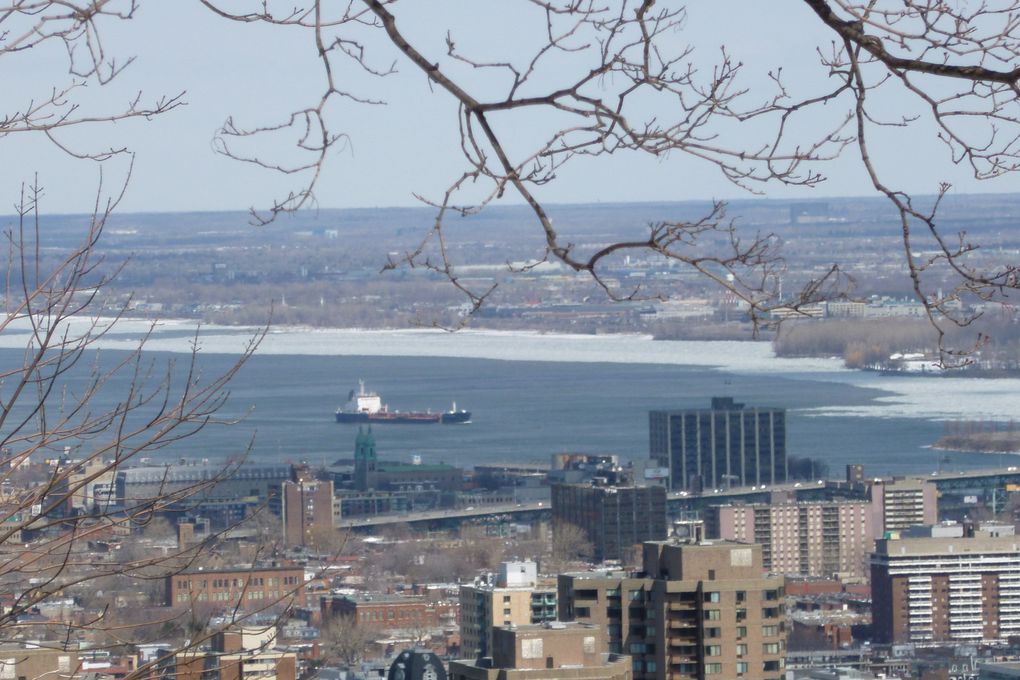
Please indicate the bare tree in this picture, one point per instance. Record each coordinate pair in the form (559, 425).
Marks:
(58, 441)
(600, 79)
(346, 642)
(570, 543)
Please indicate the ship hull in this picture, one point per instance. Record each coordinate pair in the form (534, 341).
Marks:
(411, 418)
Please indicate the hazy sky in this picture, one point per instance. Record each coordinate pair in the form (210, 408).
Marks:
(258, 74)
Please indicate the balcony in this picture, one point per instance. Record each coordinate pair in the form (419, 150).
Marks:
(682, 623)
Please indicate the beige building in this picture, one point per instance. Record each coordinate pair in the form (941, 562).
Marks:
(513, 597)
(824, 538)
(242, 654)
(54, 664)
(551, 651)
(698, 610)
(897, 504)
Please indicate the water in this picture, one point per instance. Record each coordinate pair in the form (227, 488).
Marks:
(560, 400)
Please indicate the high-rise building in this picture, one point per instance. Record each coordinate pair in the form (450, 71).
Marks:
(553, 651)
(725, 445)
(698, 610)
(901, 503)
(815, 538)
(939, 588)
(307, 506)
(515, 598)
(615, 518)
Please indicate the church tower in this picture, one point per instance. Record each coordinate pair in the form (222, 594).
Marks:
(365, 476)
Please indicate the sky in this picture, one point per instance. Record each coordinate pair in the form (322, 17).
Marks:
(258, 74)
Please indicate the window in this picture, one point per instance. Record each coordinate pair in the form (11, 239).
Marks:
(637, 648)
(741, 631)
(772, 666)
(506, 612)
(711, 597)
(612, 592)
(741, 615)
(771, 595)
(634, 595)
(770, 648)
(741, 596)
(713, 650)
(712, 614)
(713, 632)
(506, 599)
(713, 668)
(769, 631)
(741, 649)
(770, 613)
(583, 612)
(637, 665)
(741, 667)
(650, 666)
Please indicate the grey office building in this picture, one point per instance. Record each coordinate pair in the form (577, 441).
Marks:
(723, 446)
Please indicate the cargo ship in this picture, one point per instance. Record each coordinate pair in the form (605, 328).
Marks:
(367, 407)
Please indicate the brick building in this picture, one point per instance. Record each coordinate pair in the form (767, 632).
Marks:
(823, 538)
(946, 589)
(901, 503)
(306, 506)
(698, 610)
(229, 587)
(385, 612)
(615, 518)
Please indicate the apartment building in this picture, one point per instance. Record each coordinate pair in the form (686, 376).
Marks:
(513, 597)
(901, 503)
(306, 506)
(696, 611)
(939, 588)
(823, 538)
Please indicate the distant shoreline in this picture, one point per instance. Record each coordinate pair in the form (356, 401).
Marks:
(981, 442)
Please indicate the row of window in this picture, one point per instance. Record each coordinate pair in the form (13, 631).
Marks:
(741, 595)
(202, 584)
(742, 667)
(227, 596)
(389, 615)
(741, 614)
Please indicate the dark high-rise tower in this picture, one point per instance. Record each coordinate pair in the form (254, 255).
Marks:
(726, 445)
